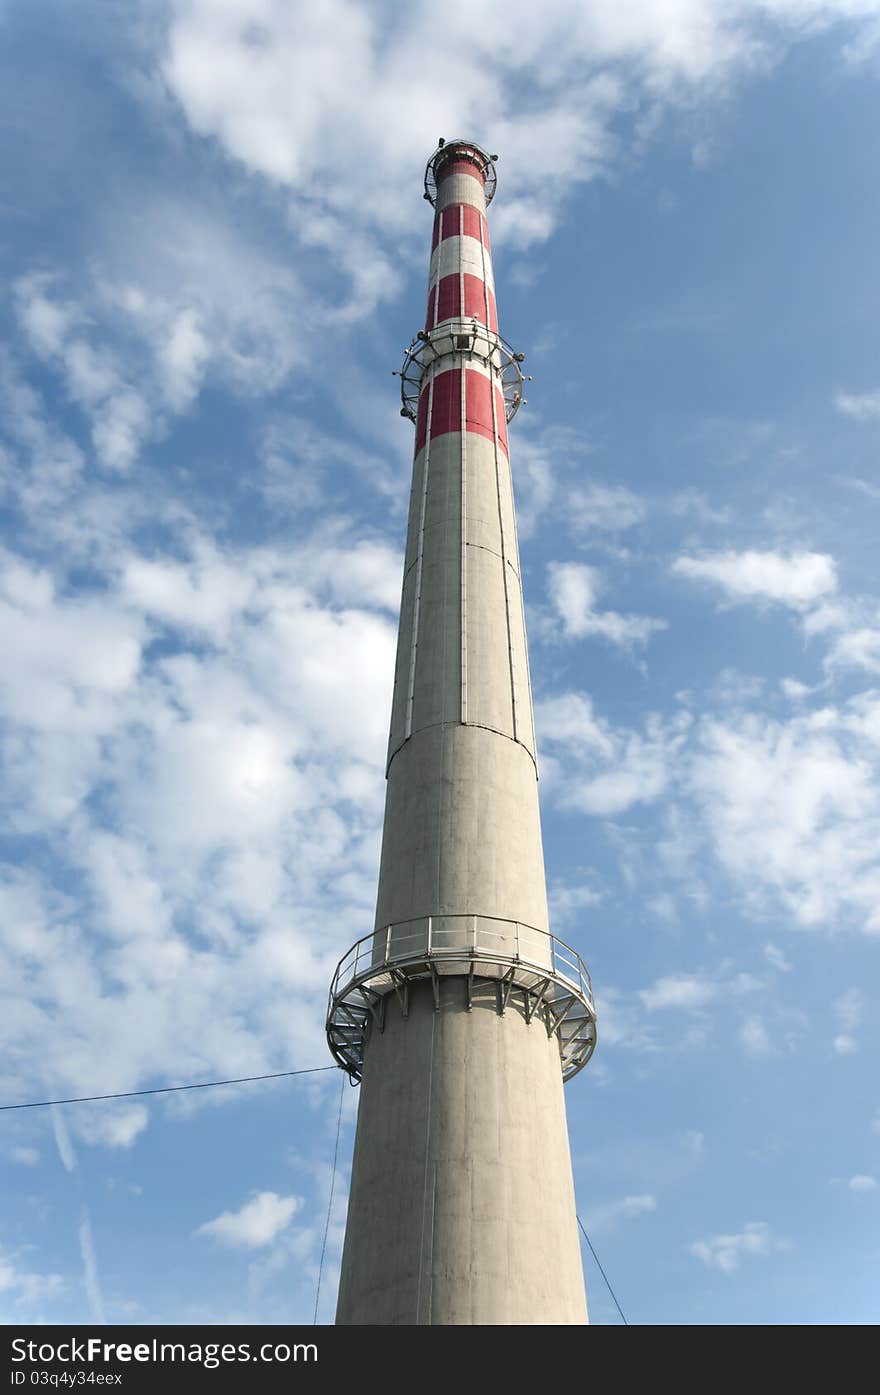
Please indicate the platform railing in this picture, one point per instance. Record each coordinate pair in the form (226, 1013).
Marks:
(548, 974)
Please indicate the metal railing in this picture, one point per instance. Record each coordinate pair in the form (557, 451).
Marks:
(550, 977)
(461, 337)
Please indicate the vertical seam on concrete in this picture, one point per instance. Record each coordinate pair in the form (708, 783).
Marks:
(464, 617)
(522, 601)
(461, 262)
(503, 557)
(410, 697)
(485, 282)
(428, 1168)
(463, 713)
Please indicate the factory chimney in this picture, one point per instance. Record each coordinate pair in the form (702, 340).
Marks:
(461, 1014)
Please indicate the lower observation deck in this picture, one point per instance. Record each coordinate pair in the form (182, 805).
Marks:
(545, 975)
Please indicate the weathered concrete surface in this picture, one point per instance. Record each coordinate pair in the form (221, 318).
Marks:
(461, 1208)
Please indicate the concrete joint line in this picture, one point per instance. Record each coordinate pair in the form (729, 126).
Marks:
(411, 691)
(464, 466)
(479, 726)
(513, 714)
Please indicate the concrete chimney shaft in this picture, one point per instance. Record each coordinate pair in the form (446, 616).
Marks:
(461, 1013)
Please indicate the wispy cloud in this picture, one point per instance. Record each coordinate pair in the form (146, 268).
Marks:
(606, 1217)
(27, 1157)
(62, 1140)
(24, 1287)
(725, 1252)
(688, 991)
(861, 406)
(607, 769)
(610, 508)
(574, 590)
(775, 957)
(90, 1268)
(754, 1036)
(862, 1183)
(847, 1011)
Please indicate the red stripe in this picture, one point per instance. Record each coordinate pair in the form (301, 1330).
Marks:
(472, 219)
(436, 238)
(502, 420)
(446, 412)
(493, 313)
(478, 403)
(474, 298)
(422, 419)
(460, 167)
(429, 318)
(446, 409)
(449, 298)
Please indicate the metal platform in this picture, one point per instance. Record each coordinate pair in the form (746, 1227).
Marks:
(517, 962)
(459, 149)
(462, 340)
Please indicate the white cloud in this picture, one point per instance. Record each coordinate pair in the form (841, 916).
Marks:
(688, 991)
(94, 377)
(572, 904)
(792, 810)
(754, 1037)
(603, 507)
(62, 1140)
(263, 708)
(847, 1011)
(623, 1022)
(183, 357)
(113, 1126)
(862, 1183)
(28, 1157)
(90, 1268)
(258, 1222)
(725, 1252)
(603, 1218)
(606, 770)
(26, 1289)
(691, 501)
(775, 957)
(574, 589)
(861, 406)
(547, 84)
(789, 809)
(858, 647)
(694, 1141)
(796, 579)
(794, 690)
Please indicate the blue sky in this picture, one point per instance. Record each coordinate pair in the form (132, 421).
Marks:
(215, 250)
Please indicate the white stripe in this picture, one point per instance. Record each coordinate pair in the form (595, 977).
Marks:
(459, 253)
(462, 188)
